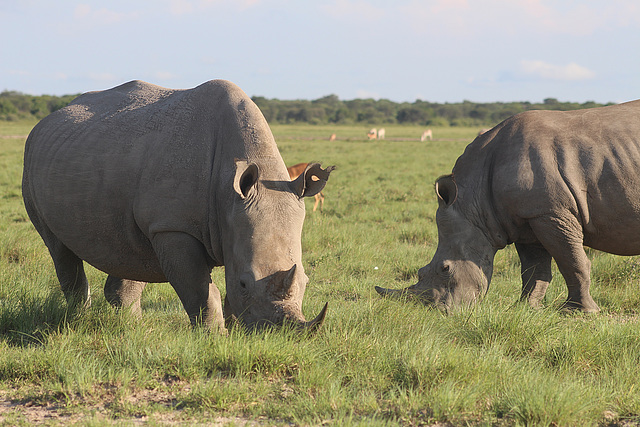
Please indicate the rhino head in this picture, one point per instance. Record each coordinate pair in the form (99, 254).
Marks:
(460, 271)
(265, 279)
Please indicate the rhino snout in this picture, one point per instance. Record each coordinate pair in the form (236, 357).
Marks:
(426, 295)
(284, 315)
(274, 300)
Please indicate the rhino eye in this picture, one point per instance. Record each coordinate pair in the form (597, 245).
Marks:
(445, 268)
(243, 285)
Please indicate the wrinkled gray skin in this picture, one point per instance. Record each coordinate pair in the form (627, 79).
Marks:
(548, 181)
(152, 185)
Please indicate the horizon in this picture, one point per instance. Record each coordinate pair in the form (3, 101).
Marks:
(559, 101)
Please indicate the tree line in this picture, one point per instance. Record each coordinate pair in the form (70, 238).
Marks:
(16, 105)
(331, 110)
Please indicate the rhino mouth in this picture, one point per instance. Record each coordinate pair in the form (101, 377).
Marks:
(410, 292)
(294, 321)
(445, 300)
(428, 297)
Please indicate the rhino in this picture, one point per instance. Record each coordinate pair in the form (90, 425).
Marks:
(551, 182)
(150, 184)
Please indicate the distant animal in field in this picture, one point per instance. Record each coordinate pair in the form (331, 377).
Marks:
(381, 133)
(150, 184)
(427, 134)
(332, 137)
(372, 134)
(551, 182)
(484, 130)
(296, 170)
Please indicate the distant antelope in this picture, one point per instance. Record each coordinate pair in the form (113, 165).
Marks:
(294, 172)
(373, 134)
(426, 134)
(332, 137)
(381, 133)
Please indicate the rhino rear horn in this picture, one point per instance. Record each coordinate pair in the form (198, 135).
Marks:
(311, 181)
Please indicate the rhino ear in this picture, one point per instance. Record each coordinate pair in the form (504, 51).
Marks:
(246, 177)
(311, 181)
(446, 190)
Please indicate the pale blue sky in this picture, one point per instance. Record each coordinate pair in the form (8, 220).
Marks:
(403, 50)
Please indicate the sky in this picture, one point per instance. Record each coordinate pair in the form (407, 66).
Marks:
(401, 50)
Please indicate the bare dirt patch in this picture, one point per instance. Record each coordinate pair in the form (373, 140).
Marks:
(155, 406)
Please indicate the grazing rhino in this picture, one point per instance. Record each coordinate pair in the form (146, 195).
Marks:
(548, 181)
(150, 184)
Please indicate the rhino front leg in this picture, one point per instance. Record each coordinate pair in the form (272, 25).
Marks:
(536, 272)
(185, 265)
(562, 237)
(124, 293)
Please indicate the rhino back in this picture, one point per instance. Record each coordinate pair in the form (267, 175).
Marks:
(114, 167)
(582, 163)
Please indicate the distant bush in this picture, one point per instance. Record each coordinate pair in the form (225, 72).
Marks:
(16, 105)
(330, 110)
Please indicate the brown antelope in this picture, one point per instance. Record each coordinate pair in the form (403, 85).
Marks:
(295, 171)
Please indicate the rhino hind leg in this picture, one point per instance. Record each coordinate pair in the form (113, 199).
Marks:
(124, 293)
(69, 267)
(536, 272)
(185, 264)
(70, 272)
(565, 245)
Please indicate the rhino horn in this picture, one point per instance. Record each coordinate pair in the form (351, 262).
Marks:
(391, 292)
(315, 324)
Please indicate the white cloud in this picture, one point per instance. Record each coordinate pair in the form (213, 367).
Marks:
(165, 75)
(181, 7)
(103, 77)
(246, 4)
(348, 9)
(545, 70)
(365, 94)
(583, 18)
(21, 73)
(512, 17)
(102, 16)
(82, 11)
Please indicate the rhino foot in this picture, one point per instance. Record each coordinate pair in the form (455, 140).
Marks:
(123, 293)
(572, 306)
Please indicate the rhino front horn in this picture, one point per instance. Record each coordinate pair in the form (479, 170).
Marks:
(390, 292)
(315, 324)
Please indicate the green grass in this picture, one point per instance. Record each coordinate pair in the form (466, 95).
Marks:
(374, 362)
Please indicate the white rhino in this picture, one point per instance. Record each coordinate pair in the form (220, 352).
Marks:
(150, 184)
(548, 181)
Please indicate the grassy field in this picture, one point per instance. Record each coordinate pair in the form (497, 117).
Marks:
(374, 362)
